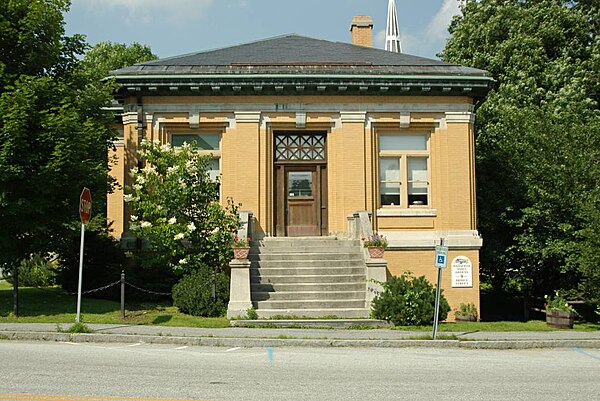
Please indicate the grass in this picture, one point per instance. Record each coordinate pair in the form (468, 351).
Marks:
(503, 326)
(51, 305)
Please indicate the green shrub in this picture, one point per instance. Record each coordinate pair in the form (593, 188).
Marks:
(408, 301)
(251, 314)
(192, 294)
(103, 261)
(35, 272)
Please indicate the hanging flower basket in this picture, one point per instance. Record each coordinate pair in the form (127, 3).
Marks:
(241, 253)
(375, 252)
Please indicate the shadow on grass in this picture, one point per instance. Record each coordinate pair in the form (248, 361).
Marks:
(49, 302)
(162, 319)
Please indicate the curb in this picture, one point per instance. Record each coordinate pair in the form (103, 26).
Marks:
(294, 342)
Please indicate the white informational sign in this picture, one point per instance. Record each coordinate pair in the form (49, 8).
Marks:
(462, 272)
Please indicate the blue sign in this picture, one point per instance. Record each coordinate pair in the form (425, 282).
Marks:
(441, 256)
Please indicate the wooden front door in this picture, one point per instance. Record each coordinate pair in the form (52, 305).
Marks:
(300, 184)
(301, 202)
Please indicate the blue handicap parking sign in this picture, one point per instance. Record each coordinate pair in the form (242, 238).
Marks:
(441, 259)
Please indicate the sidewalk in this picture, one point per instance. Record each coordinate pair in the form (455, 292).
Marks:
(271, 337)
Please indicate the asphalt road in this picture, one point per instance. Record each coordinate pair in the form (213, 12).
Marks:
(63, 371)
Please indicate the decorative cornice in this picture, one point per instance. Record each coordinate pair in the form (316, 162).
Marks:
(314, 107)
(305, 84)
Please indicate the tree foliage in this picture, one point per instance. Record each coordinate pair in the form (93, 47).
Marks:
(106, 56)
(55, 128)
(176, 210)
(32, 40)
(538, 140)
(54, 132)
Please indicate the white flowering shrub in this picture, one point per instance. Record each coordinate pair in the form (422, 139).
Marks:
(175, 208)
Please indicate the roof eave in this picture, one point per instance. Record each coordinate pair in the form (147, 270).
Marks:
(310, 84)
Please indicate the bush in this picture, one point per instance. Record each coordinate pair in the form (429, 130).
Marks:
(35, 272)
(408, 301)
(192, 294)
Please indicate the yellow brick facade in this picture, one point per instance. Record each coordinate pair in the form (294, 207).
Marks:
(352, 126)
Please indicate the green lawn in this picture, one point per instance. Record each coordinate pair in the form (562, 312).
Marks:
(51, 305)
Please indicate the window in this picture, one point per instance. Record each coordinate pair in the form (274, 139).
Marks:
(300, 184)
(404, 170)
(203, 141)
(206, 144)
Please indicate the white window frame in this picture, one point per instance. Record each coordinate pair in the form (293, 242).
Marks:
(403, 156)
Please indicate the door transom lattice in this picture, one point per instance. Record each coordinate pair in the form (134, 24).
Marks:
(299, 147)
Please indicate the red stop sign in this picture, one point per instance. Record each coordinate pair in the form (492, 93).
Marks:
(85, 206)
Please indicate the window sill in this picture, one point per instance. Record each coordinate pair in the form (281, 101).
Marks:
(393, 212)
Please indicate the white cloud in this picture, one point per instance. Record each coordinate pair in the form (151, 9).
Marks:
(148, 11)
(437, 29)
(431, 39)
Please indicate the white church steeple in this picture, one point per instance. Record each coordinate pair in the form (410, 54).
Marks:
(392, 33)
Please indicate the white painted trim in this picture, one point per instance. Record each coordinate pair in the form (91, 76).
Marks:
(460, 117)
(194, 118)
(404, 119)
(130, 117)
(392, 212)
(247, 116)
(353, 116)
(300, 119)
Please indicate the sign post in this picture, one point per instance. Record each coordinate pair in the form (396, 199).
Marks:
(441, 262)
(85, 212)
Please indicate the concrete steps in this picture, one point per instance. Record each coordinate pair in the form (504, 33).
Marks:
(308, 277)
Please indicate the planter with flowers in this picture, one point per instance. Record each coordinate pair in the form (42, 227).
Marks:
(466, 313)
(375, 244)
(241, 248)
(559, 314)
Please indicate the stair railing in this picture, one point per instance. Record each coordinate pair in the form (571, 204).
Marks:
(360, 227)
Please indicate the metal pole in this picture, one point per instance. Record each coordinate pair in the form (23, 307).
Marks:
(437, 298)
(16, 290)
(80, 274)
(122, 294)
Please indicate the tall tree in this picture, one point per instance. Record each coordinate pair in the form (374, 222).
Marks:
(54, 125)
(538, 139)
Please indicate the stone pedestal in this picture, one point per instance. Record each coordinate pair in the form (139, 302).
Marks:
(376, 271)
(239, 291)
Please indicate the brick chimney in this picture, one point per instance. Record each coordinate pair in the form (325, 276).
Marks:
(362, 30)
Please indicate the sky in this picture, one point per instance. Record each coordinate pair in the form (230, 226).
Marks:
(175, 27)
